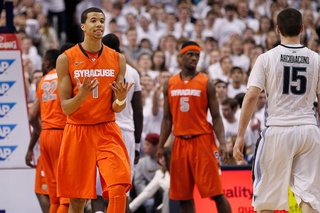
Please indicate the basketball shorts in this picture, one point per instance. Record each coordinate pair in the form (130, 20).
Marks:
(129, 140)
(195, 161)
(50, 142)
(287, 156)
(83, 149)
(40, 186)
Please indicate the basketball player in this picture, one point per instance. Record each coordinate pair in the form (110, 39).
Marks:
(47, 107)
(288, 149)
(195, 156)
(92, 89)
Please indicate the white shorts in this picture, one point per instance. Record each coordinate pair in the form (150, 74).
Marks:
(129, 140)
(287, 156)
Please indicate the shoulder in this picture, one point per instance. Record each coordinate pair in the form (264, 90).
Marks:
(62, 58)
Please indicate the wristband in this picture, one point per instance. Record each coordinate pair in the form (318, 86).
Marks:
(137, 147)
(120, 103)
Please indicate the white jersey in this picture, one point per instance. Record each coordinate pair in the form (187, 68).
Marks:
(125, 118)
(290, 76)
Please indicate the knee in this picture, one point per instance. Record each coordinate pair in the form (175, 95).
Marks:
(217, 198)
(77, 203)
(186, 203)
(117, 190)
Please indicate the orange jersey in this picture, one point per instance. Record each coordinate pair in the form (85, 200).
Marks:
(97, 108)
(50, 105)
(189, 105)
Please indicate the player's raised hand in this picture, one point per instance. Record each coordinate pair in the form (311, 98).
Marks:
(87, 86)
(120, 89)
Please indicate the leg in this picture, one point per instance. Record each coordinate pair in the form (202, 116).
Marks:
(306, 208)
(77, 205)
(127, 205)
(222, 203)
(187, 206)
(63, 208)
(106, 202)
(44, 202)
(98, 205)
(117, 199)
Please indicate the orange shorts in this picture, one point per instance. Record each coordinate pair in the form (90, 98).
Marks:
(50, 142)
(40, 186)
(195, 161)
(85, 147)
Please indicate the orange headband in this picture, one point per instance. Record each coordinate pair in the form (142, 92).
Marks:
(190, 47)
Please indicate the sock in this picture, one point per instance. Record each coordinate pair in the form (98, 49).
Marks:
(54, 207)
(63, 208)
(117, 199)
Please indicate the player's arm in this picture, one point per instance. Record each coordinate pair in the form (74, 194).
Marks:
(36, 125)
(69, 104)
(166, 124)
(137, 109)
(215, 113)
(248, 106)
(120, 88)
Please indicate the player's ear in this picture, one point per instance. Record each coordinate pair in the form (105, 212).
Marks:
(302, 29)
(278, 30)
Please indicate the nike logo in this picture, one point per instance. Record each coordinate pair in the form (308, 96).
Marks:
(77, 63)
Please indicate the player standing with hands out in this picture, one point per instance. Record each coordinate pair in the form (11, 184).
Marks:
(195, 156)
(91, 88)
(290, 76)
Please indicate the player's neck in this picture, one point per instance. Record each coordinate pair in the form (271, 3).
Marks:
(187, 74)
(91, 46)
(290, 40)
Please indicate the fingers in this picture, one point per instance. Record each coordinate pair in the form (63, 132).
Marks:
(237, 154)
(87, 83)
(130, 85)
(78, 81)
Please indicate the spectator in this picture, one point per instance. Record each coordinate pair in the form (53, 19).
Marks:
(158, 61)
(146, 169)
(236, 84)
(161, 180)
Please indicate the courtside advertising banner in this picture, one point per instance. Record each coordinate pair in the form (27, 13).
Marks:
(237, 187)
(14, 125)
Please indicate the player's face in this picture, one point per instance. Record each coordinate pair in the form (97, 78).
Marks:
(190, 59)
(94, 25)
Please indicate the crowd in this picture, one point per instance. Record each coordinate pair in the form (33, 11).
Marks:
(231, 35)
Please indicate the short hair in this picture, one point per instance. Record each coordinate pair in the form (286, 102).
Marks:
(84, 14)
(239, 97)
(65, 46)
(219, 81)
(249, 40)
(51, 56)
(236, 68)
(289, 22)
(189, 43)
(230, 7)
(232, 102)
(111, 41)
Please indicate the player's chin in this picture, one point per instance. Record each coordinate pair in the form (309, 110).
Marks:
(98, 35)
(193, 66)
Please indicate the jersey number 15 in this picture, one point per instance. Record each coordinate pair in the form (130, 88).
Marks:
(294, 81)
